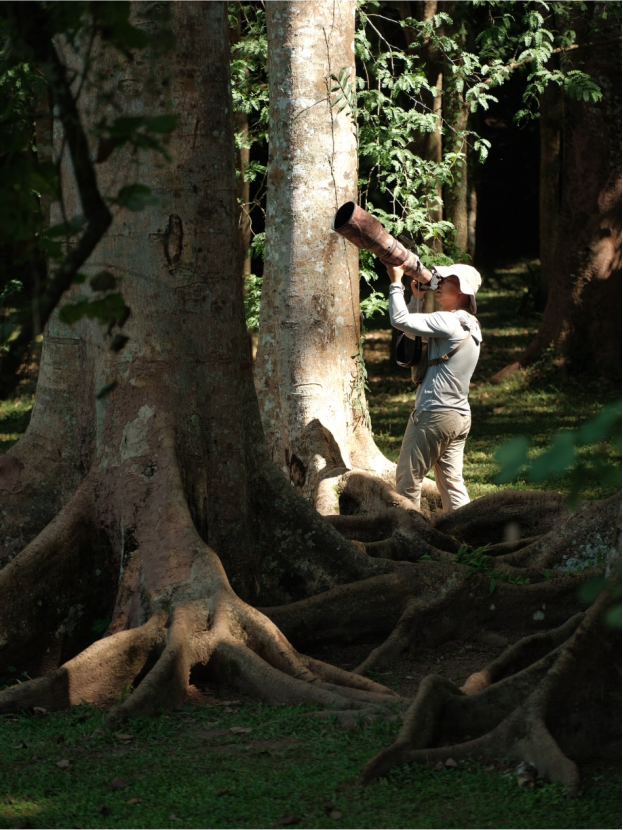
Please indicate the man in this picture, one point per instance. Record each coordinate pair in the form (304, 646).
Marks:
(439, 425)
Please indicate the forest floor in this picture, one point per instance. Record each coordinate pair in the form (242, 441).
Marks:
(227, 761)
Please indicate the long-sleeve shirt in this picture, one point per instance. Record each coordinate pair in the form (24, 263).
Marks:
(446, 385)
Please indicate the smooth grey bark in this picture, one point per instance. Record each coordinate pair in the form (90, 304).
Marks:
(308, 377)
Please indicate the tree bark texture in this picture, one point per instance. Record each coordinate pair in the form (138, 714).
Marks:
(308, 374)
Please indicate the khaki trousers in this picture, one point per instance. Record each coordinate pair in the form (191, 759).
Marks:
(434, 441)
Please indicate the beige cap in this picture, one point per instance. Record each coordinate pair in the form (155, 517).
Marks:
(468, 277)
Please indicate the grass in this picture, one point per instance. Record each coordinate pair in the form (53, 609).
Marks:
(538, 403)
(14, 418)
(189, 769)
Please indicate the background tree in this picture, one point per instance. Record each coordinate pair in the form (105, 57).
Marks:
(585, 270)
(46, 261)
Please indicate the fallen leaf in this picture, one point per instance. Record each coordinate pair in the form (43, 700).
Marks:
(229, 703)
(173, 817)
(21, 745)
(104, 809)
(123, 736)
(240, 730)
(38, 710)
(451, 763)
(58, 739)
(335, 814)
(439, 765)
(134, 801)
(287, 820)
(64, 764)
(119, 783)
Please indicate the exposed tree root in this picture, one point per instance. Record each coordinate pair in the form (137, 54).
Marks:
(520, 655)
(206, 624)
(100, 674)
(503, 515)
(395, 534)
(362, 492)
(425, 603)
(545, 724)
(582, 539)
(40, 616)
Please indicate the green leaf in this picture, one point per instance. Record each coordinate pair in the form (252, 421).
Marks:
(135, 197)
(588, 593)
(613, 616)
(511, 457)
(111, 307)
(103, 281)
(556, 459)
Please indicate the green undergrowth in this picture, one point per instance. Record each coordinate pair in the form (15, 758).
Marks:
(539, 402)
(14, 418)
(256, 766)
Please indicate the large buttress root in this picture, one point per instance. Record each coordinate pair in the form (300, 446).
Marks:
(99, 674)
(548, 713)
(45, 588)
(207, 625)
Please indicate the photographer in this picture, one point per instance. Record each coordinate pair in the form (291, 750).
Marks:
(439, 425)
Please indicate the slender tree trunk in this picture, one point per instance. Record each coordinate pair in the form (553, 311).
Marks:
(429, 146)
(550, 124)
(309, 370)
(456, 116)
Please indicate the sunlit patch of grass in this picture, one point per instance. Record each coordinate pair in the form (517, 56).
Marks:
(14, 418)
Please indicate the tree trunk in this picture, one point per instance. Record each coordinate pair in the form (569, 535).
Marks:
(456, 116)
(550, 123)
(581, 318)
(120, 500)
(309, 367)
(429, 146)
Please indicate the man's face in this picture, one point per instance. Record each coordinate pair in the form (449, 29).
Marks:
(448, 293)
